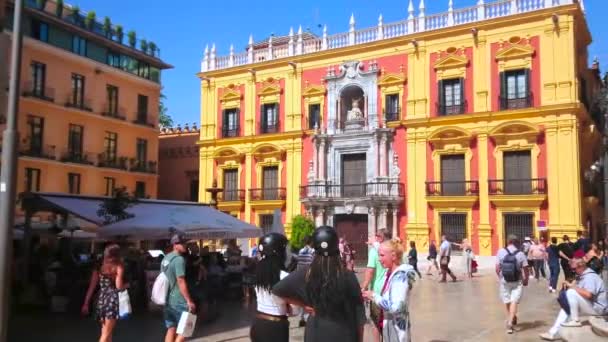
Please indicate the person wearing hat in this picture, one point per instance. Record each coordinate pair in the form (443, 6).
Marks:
(328, 291)
(270, 322)
(178, 297)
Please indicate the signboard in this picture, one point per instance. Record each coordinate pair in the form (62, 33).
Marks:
(541, 225)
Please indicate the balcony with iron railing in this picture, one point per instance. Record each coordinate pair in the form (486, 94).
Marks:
(230, 132)
(112, 161)
(77, 157)
(452, 188)
(42, 93)
(142, 166)
(114, 113)
(445, 110)
(270, 128)
(267, 194)
(392, 114)
(143, 120)
(414, 24)
(508, 103)
(80, 104)
(231, 195)
(38, 151)
(388, 190)
(534, 186)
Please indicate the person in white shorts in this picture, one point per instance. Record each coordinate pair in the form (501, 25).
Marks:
(512, 271)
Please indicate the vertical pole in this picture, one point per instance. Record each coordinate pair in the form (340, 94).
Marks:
(8, 174)
(605, 173)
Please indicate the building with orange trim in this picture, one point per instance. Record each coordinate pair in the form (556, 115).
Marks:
(473, 123)
(178, 163)
(88, 108)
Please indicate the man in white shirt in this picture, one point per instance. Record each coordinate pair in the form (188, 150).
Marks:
(445, 251)
(587, 297)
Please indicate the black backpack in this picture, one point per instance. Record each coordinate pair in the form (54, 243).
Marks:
(509, 267)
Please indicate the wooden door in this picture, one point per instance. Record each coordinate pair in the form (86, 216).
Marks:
(353, 175)
(231, 185)
(354, 229)
(517, 172)
(270, 183)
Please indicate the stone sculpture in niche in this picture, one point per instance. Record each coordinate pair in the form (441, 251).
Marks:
(355, 113)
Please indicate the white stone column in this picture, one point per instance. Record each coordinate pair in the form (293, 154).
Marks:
(382, 222)
(319, 217)
(322, 159)
(371, 221)
(383, 162)
(395, 224)
(329, 217)
(378, 160)
(315, 158)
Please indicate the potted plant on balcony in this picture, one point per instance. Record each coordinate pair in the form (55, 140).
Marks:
(132, 38)
(41, 4)
(107, 27)
(89, 21)
(59, 8)
(76, 14)
(143, 45)
(152, 49)
(119, 34)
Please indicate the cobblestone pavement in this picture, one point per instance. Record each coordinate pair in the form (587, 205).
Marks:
(468, 310)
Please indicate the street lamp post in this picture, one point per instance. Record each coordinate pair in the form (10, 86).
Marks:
(8, 173)
(605, 170)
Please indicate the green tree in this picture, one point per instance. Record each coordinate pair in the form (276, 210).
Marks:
(164, 119)
(301, 227)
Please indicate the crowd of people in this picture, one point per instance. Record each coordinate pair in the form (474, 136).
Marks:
(318, 283)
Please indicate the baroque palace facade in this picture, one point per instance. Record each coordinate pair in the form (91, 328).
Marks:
(471, 123)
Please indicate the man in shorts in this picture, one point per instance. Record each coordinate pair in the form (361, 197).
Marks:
(513, 282)
(178, 297)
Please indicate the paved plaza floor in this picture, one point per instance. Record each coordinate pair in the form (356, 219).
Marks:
(468, 310)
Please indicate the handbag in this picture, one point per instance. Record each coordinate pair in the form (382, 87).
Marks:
(124, 304)
(474, 266)
(563, 301)
(186, 324)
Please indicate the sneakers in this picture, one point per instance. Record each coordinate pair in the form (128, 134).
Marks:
(550, 337)
(572, 324)
(509, 329)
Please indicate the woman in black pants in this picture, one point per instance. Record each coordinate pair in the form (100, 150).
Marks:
(412, 257)
(270, 322)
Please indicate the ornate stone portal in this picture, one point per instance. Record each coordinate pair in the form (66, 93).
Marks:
(353, 130)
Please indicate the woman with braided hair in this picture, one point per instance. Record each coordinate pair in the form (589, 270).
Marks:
(328, 291)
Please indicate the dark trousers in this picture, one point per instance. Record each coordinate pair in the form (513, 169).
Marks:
(554, 270)
(539, 268)
(445, 269)
(414, 264)
(265, 331)
(568, 273)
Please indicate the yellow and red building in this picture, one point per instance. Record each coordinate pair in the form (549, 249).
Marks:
(472, 123)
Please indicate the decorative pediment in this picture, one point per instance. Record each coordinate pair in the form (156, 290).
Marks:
(515, 130)
(391, 80)
(269, 90)
(449, 136)
(267, 151)
(231, 95)
(515, 51)
(314, 90)
(226, 154)
(451, 61)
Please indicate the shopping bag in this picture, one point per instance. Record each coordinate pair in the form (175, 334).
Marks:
(124, 304)
(186, 324)
(474, 266)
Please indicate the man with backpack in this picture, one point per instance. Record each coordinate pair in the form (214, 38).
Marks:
(178, 296)
(512, 270)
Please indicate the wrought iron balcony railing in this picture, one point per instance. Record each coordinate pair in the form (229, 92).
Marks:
(452, 188)
(114, 113)
(82, 104)
(392, 115)
(142, 166)
(143, 120)
(230, 132)
(375, 189)
(38, 151)
(507, 103)
(267, 194)
(42, 93)
(444, 110)
(231, 195)
(270, 128)
(535, 186)
(112, 161)
(78, 157)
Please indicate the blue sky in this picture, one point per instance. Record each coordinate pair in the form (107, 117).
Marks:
(183, 27)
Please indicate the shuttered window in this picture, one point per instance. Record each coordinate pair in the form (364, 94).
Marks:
(517, 172)
(452, 175)
(515, 89)
(270, 183)
(451, 96)
(231, 185)
(270, 118)
(230, 125)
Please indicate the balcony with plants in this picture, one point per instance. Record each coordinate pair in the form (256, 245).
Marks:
(77, 157)
(37, 150)
(142, 166)
(112, 161)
